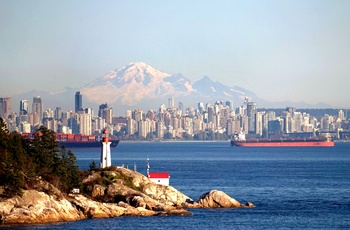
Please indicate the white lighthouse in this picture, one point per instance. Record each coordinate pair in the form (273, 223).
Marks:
(105, 150)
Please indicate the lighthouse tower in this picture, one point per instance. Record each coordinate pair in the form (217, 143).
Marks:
(105, 150)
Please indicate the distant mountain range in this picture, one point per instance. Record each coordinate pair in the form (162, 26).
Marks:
(138, 83)
(140, 86)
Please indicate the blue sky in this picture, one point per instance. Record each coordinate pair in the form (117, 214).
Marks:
(281, 50)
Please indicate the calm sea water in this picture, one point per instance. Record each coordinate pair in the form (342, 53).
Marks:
(301, 188)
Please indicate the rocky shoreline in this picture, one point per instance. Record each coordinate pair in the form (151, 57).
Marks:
(107, 194)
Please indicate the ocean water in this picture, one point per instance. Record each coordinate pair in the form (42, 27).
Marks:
(292, 188)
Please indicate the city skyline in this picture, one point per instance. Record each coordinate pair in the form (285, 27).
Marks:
(21, 107)
(209, 121)
(282, 51)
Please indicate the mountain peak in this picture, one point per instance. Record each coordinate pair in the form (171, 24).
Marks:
(138, 82)
(135, 65)
(139, 71)
(138, 65)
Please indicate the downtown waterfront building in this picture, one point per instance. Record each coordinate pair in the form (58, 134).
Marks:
(5, 106)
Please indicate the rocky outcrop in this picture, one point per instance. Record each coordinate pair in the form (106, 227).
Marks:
(137, 190)
(120, 192)
(219, 199)
(37, 207)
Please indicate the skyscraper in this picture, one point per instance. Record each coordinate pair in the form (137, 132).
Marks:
(85, 126)
(38, 109)
(78, 101)
(211, 114)
(101, 108)
(105, 112)
(181, 107)
(58, 113)
(251, 112)
(230, 104)
(171, 102)
(200, 107)
(23, 107)
(5, 106)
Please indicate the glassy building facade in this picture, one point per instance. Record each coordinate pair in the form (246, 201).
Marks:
(251, 112)
(78, 101)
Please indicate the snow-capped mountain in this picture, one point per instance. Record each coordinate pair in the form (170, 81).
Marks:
(138, 84)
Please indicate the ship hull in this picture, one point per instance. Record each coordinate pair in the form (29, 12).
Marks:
(87, 144)
(282, 143)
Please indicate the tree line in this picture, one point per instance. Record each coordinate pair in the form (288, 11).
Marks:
(23, 162)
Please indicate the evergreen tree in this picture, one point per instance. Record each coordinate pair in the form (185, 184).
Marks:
(44, 149)
(74, 176)
(23, 160)
(12, 158)
(92, 166)
(67, 171)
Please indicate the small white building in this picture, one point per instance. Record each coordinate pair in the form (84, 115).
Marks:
(159, 177)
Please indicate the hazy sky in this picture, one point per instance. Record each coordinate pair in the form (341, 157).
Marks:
(296, 50)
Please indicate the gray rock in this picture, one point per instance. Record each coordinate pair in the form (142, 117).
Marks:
(124, 193)
(217, 199)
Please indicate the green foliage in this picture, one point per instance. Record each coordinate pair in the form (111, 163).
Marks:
(107, 179)
(43, 150)
(93, 166)
(12, 162)
(66, 170)
(168, 136)
(22, 161)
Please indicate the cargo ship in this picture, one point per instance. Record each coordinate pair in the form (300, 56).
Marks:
(239, 140)
(81, 141)
(77, 140)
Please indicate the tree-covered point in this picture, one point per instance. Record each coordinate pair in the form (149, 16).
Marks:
(24, 161)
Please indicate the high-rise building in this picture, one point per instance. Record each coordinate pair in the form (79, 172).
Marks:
(211, 114)
(128, 113)
(73, 123)
(341, 115)
(259, 123)
(160, 129)
(230, 105)
(106, 113)
(275, 127)
(5, 106)
(201, 107)
(98, 124)
(171, 102)
(181, 108)
(24, 127)
(298, 121)
(291, 110)
(38, 108)
(85, 126)
(138, 115)
(131, 126)
(143, 127)
(251, 113)
(23, 107)
(101, 108)
(58, 113)
(78, 101)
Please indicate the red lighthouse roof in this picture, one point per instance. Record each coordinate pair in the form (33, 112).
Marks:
(105, 136)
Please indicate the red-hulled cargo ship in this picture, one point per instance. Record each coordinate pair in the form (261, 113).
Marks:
(240, 141)
(77, 140)
(81, 141)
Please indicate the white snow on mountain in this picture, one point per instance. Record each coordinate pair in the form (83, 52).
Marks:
(138, 82)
